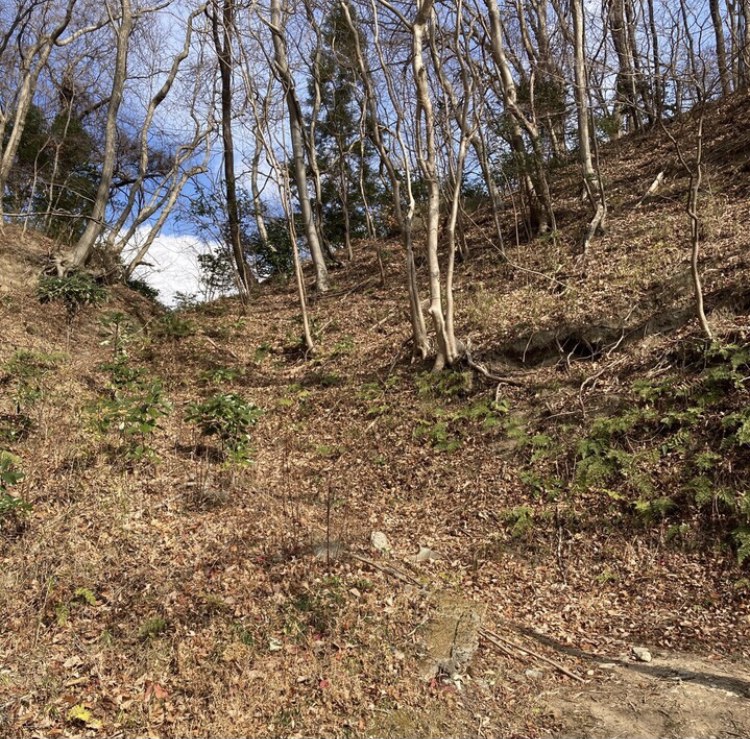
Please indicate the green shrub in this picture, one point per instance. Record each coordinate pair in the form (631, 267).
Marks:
(117, 330)
(10, 475)
(520, 521)
(75, 291)
(134, 408)
(152, 627)
(142, 287)
(173, 326)
(229, 417)
(220, 375)
(445, 384)
(26, 370)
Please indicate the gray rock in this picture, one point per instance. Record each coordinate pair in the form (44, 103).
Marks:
(534, 674)
(425, 554)
(325, 551)
(380, 542)
(642, 654)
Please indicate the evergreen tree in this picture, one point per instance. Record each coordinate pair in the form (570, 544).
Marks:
(338, 141)
(54, 178)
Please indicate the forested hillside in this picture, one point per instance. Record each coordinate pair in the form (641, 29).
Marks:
(454, 441)
(209, 529)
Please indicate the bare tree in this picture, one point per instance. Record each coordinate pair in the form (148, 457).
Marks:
(404, 216)
(721, 47)
(47, 22)
(222, 30)
(540, 197)
(123, 29)
(296, 121)
(447, 349)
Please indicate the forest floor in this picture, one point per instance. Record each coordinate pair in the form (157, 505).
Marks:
(405, 554)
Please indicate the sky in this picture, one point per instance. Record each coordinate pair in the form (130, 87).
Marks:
(172, 266)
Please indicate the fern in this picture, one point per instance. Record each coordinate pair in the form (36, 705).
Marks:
(741, 536)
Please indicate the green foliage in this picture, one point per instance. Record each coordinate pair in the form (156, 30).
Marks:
(438, 435)
(314, 611)
(133, 409)
(548, 487)
(544, 446)
(649, 391)
(222, 375)
(75, 291)
(327, 451)
(10, 475)
(118, 330)
(741, 536)
(85, 596)
(142, 287)
(739, 424)
(373, 395)
(152, 628)
(274, 257)
(519, 520)
(609, 126)
(218, 272)
(654, 509)
(444, 429)
(229, 417)
(343, 156)
(261, 353)
(27, 370)
(446, 384)
(344, 346)
(184, 301)
(173, 326)
(14, 426)
(53, 178)
(267, 258)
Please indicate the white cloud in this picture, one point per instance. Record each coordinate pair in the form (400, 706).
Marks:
(171, 265)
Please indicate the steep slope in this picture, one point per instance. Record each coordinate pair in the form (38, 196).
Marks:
(159, 586)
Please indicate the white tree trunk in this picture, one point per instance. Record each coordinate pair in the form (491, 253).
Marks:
(298, 146)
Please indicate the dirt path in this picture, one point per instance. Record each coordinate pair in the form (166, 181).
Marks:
(672, 696)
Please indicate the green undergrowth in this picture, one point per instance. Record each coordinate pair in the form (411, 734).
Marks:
(674, 453)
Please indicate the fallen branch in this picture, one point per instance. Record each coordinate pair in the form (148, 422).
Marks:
(392, 571)
(221, 348)
(381, 321)
(489, 375)
(655, 185)
(494, 638)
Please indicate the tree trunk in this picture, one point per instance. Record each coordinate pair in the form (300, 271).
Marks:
(32, 68)
(446, 342)
(298, 146)
(625, 82)
(404, 220)
(85, 245)
(581, 91)
(721, 50)
(745, 57)
(223, 43)
(542, 212)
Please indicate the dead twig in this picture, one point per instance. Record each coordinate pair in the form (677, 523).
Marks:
(491, 636)
(505, 380)
(221, 348)
(392, 571)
